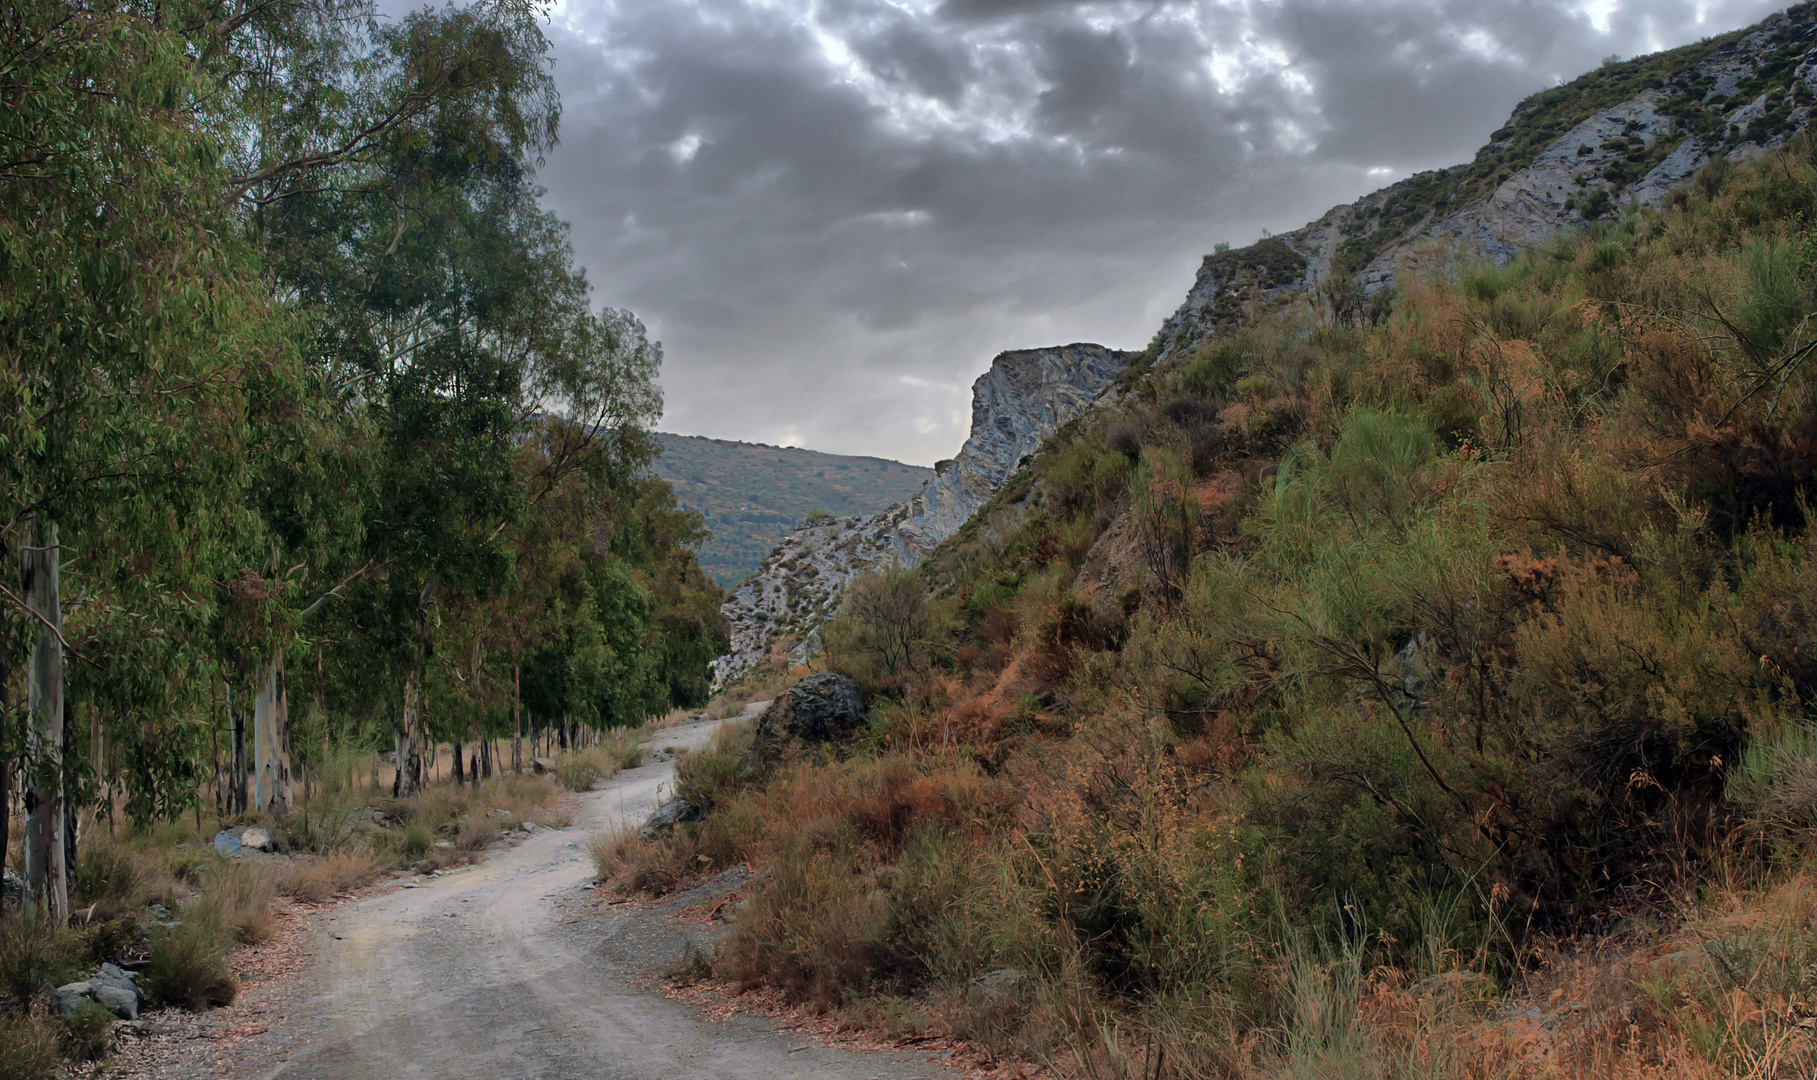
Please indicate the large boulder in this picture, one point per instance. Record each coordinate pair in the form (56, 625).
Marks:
(819, 711)
(670, 814)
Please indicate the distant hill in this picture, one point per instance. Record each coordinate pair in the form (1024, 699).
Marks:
(752, 494)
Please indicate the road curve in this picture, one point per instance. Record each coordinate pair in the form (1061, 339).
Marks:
(472, 975)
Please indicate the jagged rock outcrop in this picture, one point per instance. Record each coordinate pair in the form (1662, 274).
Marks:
(1024, 397)
(795, 591)
(1566, 156)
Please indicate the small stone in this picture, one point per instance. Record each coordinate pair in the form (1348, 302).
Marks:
(227, 844)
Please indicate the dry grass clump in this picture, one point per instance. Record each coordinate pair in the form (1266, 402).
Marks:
(188, 968)
(30, 1045)
(629, 863)
(334, 874)
(236, 898)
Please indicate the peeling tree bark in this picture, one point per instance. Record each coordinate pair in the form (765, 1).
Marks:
(272, 788)
(46, 869)
(409, 762)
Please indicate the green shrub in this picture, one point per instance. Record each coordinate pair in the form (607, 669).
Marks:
(580, 771)
(625, 746)
(417, 839)
(88, 1032)
(709, 777)
(29, 1045)
(105, 872)
(883, 628)
(188, 968)
(1775, 783)
(31, 958)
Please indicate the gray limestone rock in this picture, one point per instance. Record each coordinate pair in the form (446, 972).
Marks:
(670, 814)
(122, 1002)
(1000, 986)
(256, 839)
(227, 844)
(1024, 397)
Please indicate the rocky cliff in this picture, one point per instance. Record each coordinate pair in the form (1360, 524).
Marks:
(1024, 397)
(1626, 134)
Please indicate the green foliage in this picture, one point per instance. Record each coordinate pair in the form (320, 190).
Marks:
(710, 776)
(31, 958)
(30, 1047)
(417, 839)
(882, 630)
(362, 362)
(88, 1032)
(187, 968)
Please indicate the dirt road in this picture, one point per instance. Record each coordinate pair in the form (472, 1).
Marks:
(474, 975)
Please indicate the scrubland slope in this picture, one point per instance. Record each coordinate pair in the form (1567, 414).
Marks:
(1425, 693)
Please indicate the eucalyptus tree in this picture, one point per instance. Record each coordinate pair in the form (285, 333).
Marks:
(446, 317)
(129, 313)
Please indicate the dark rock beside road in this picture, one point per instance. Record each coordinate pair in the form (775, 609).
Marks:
(820, 710)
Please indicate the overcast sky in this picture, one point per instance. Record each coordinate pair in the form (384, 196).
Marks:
(833, 214)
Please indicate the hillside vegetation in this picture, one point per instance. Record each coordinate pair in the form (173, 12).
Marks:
(1426, 698)
(752, 494)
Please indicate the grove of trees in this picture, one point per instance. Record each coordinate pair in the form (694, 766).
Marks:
(311, 436)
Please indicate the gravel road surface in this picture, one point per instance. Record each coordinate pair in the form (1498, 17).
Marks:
(474, 976)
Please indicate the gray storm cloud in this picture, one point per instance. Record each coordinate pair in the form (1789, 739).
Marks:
(835, 213)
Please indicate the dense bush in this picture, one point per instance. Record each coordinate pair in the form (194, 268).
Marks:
(187, 968)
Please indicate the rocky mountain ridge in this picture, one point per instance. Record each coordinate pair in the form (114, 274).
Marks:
(751, 494)
(1628, 134)
(1024, 397)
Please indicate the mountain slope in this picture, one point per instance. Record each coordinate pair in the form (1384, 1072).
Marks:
(1021, 400)
(1340, 694)
(752, 494)
(1625, 134)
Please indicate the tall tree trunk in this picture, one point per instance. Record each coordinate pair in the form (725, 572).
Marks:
(517, 719)
(261, 744)
(214, 747)
(236, 793)
(408, 759)
(410, 764)
(46, 871)
(271, 739)
(459, 776)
